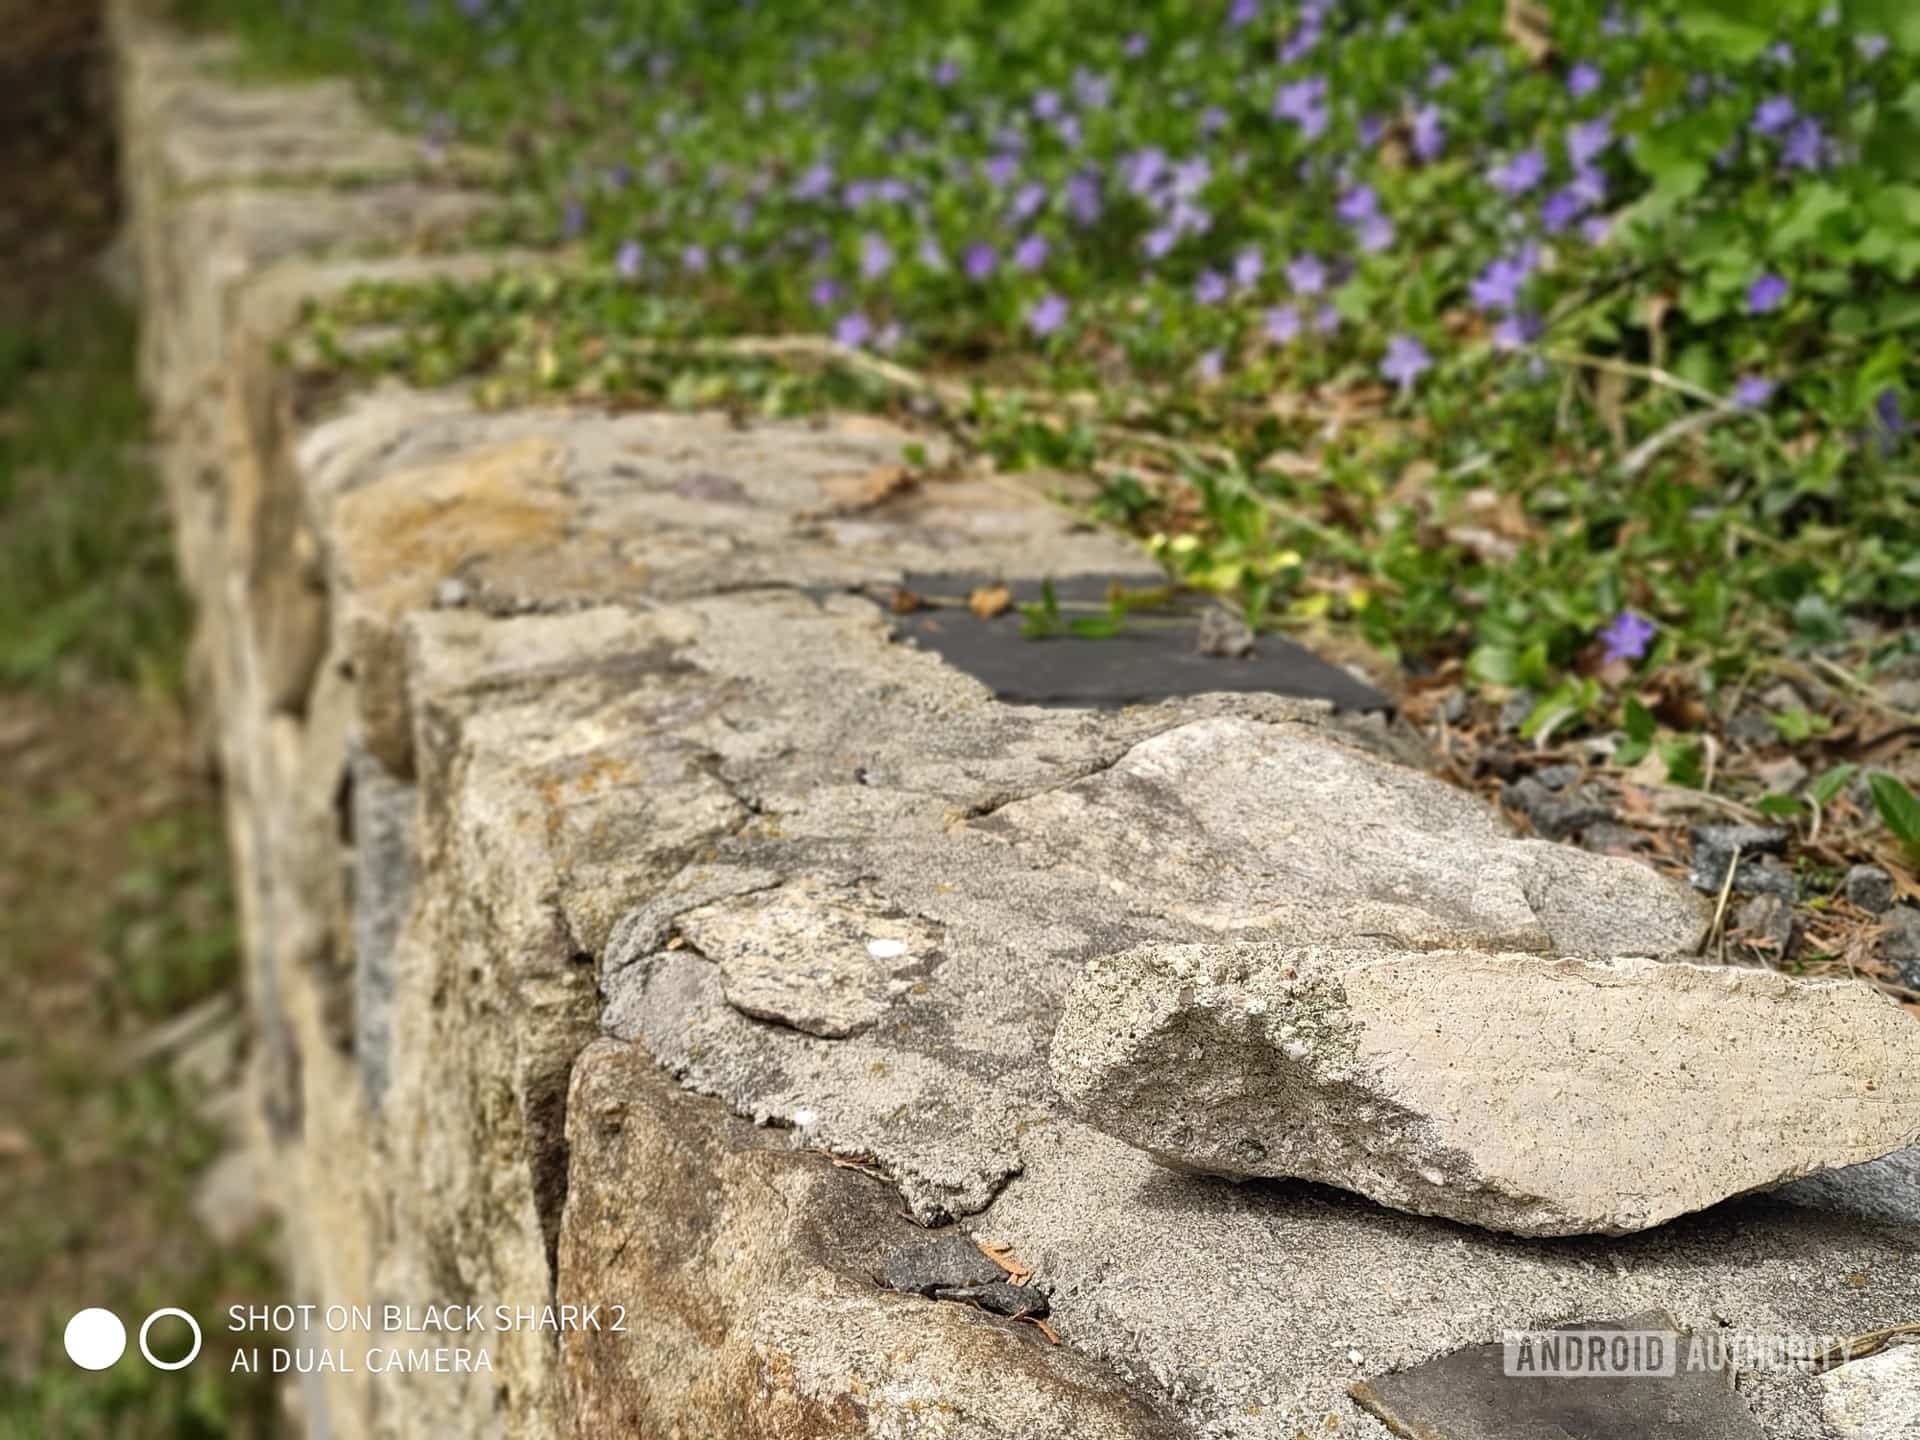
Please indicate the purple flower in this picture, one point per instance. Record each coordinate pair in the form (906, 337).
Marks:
(1582, 80)
(1766, 294)
(1046, 316)
(826, 293)
(1083, 198)
(1283, 324)
(1429, 132)
(1210, 288)
(573, 219)
(1588, 141)
(1307, 275)
(626, 263)
(1031, 253)
(1143, 169)
(931, 255)
(1156, 243)
(1326, 320)
(980, 262)
(1753, 392)
(1359, 204)
(1516, 331)
(1772, 116)
(693, 259)
(1135, 47)
(1405, 362)
(1498, 286)
(1300, 43)
(1595, 229)
(853, 330)
(1374, 234)
(1628, 636)
(1001, 169)
(945, 73)
(1247, 267)
(1093, 91)
(1561, 209)
(1209, 366)
(1243, 13)
(1304, 103)
(1046, 104)
(1370, 129)
(1028, 202)
(876, 256)
(815, 184)
(1213, 120)
(1780, 53)
(1520, 174)
(1805, 146)
(1190, 177)
(1871, 47)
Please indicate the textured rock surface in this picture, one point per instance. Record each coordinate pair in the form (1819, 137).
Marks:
(1533, 1095)
(1877, 1398)
(1884, 1189)
(547, 734)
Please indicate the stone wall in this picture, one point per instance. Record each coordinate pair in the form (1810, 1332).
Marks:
(631, 921)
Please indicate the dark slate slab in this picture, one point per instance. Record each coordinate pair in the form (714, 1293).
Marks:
(1469, 1396)
(1156, 657)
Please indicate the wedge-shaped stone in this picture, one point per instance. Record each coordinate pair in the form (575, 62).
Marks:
(1535, 1095)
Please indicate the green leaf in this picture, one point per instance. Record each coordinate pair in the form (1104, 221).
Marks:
(1781, 807)
(1799, 724)
(1682, 759)
(1830, 783)
(1897, 806)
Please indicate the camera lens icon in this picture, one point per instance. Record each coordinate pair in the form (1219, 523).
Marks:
(95, 1339)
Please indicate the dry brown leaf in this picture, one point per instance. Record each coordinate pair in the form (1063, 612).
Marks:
(1531, 28)
(905, 602)
(989, 601)
(847, 494)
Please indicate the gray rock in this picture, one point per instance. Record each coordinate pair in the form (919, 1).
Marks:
(1884, 1189)
(1714, 847)
(1606, 838)
(1455, 707)
(1875, 1398)
(1515, 712)
(1534, 1095)
(1869, 887)
(944, 1262)
(1900, 946)
(1559, 777)
(1223, 633)
(1554, 814)
(1768, 918)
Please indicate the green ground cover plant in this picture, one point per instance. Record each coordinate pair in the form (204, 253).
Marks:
(1564, 351)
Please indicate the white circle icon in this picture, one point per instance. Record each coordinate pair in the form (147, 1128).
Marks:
(180, 1364)
(95, 1338)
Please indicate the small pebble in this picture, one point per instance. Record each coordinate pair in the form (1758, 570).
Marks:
(1870, 887)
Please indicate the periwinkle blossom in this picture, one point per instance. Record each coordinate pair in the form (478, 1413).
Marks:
(1304, 102)
(1247, 267)
(694, 259)
(1773, 115)
(853, 330)
(1210, 288)
(931, 255)
(1766, 294)
(1753, 392)
(945, 73)
(1213, 120)
(1374, 234)
(1890, 425)
(1805, 147)
(889, 338)
(876, 256)
(1046, 104)
(1326, 320)
(1519, 174)
(1242, 13)
(1359, 204)
(1209, 366)
(1067, 127)
(1190, 177)
(1083, 198)
(1046, 316)
(980, 262)
(1283, 324)
(1595, 229)
(1780, 53)
(1498, 286)
(1628, 636)
(1307, 275)
(1091, 90)
(1561, 209)
(1143, 169)
(826, 293)
(1583, 79)
(1135, 47)
(1405, 362)
(1429, 132)
(1300, 44)
(1515, 331)
(1000, 169)
(1370, 129)
(1031, 253)
(573, 219)
(626, 263)
(1158, 242)
(1588, 141)
(1871, 47)
(816, 183)
(1028, 202)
